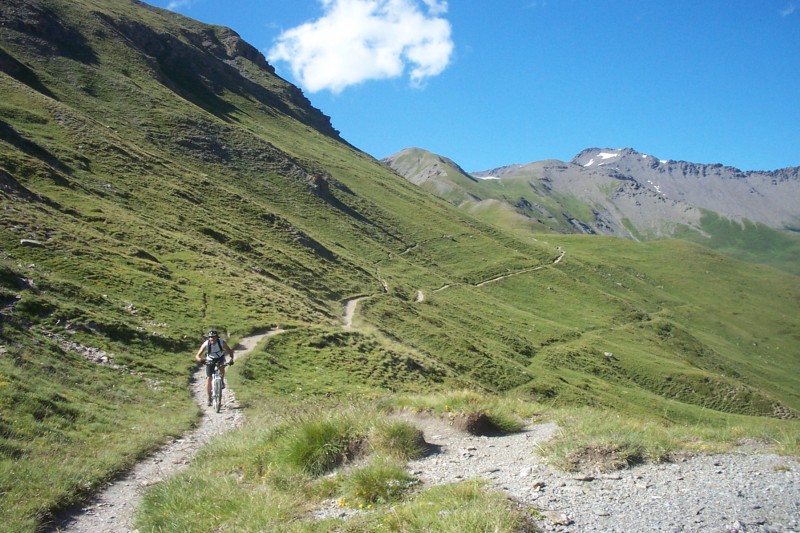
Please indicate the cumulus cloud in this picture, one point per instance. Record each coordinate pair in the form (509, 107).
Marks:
(359, 40)
(788, 10)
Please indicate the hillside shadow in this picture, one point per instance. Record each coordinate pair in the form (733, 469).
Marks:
(181, 64)
(22, 74)
(43, 30)
(14, 138)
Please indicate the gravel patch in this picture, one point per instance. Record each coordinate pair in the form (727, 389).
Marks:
(727, 492)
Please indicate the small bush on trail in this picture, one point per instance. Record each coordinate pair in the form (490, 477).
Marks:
(317, 446)
(467, 506)
(397, 439)
(380, 482)
(476, 413)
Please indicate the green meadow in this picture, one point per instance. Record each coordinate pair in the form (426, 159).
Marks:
(142, 203)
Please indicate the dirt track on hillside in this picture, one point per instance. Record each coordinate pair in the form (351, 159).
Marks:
(114, 508)
(524, 270)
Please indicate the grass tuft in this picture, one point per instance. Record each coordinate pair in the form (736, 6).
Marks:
(397, 439)
(464, 507)
(317, 446)
(488, 413)
(379, 482)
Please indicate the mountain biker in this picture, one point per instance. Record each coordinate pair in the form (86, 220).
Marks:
(215, 349)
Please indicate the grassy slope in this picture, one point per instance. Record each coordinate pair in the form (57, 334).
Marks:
(755, 243)
(165, 207)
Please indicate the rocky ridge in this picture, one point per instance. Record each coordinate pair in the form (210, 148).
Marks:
(629, 194)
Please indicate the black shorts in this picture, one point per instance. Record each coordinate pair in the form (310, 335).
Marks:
(210, 364)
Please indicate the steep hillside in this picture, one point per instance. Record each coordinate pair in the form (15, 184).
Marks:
(157, 179)
(752, 215)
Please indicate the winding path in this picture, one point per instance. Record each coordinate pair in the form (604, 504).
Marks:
(523, 271)
(351, 305)
(114, 508)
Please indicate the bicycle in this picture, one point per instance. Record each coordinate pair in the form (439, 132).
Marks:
(216, 384)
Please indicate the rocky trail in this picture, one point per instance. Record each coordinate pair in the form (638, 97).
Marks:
(717, 493)
(113, 509)
(735, 492)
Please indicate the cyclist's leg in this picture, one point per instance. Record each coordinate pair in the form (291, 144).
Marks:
(209, 373)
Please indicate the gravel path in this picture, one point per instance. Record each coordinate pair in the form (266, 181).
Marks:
(113, 509)
(716, 493)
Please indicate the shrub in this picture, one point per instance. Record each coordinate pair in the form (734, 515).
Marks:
(397, 439)
(377, 483)
(317, 446)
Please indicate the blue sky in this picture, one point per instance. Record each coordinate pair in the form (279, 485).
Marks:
(493, 83)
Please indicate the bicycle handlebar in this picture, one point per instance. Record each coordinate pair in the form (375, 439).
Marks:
(215, 363)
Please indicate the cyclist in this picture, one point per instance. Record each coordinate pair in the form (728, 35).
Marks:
(215, 349)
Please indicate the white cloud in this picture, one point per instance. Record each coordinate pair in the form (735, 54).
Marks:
(359, 40)
(176, 4)
(788, 10)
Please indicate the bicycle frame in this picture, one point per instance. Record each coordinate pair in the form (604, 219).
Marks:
(216, 386)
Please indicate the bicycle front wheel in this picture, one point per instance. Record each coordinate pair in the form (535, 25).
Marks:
(216, 395)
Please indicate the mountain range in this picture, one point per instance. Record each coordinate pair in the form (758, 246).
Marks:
(158, 179)
(623, 193)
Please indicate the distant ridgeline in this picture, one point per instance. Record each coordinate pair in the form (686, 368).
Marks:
(752, 215)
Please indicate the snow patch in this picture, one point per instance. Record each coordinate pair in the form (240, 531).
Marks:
(657, 188)
(490, 177)
(604, 156)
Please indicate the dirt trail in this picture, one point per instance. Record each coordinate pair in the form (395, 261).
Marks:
(350, 311)
(114, 508)
(351, 305)
(556, 261)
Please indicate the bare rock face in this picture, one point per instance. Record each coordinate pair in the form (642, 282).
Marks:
(767, 197)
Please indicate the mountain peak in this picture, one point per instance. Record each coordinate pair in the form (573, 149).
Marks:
(595, 157)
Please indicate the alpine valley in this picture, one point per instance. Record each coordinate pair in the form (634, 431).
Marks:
(158, 179)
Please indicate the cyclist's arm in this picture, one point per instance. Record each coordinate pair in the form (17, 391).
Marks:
(200, 352)
(227, 349)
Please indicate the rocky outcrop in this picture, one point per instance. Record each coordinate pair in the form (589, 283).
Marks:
(769, 198)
